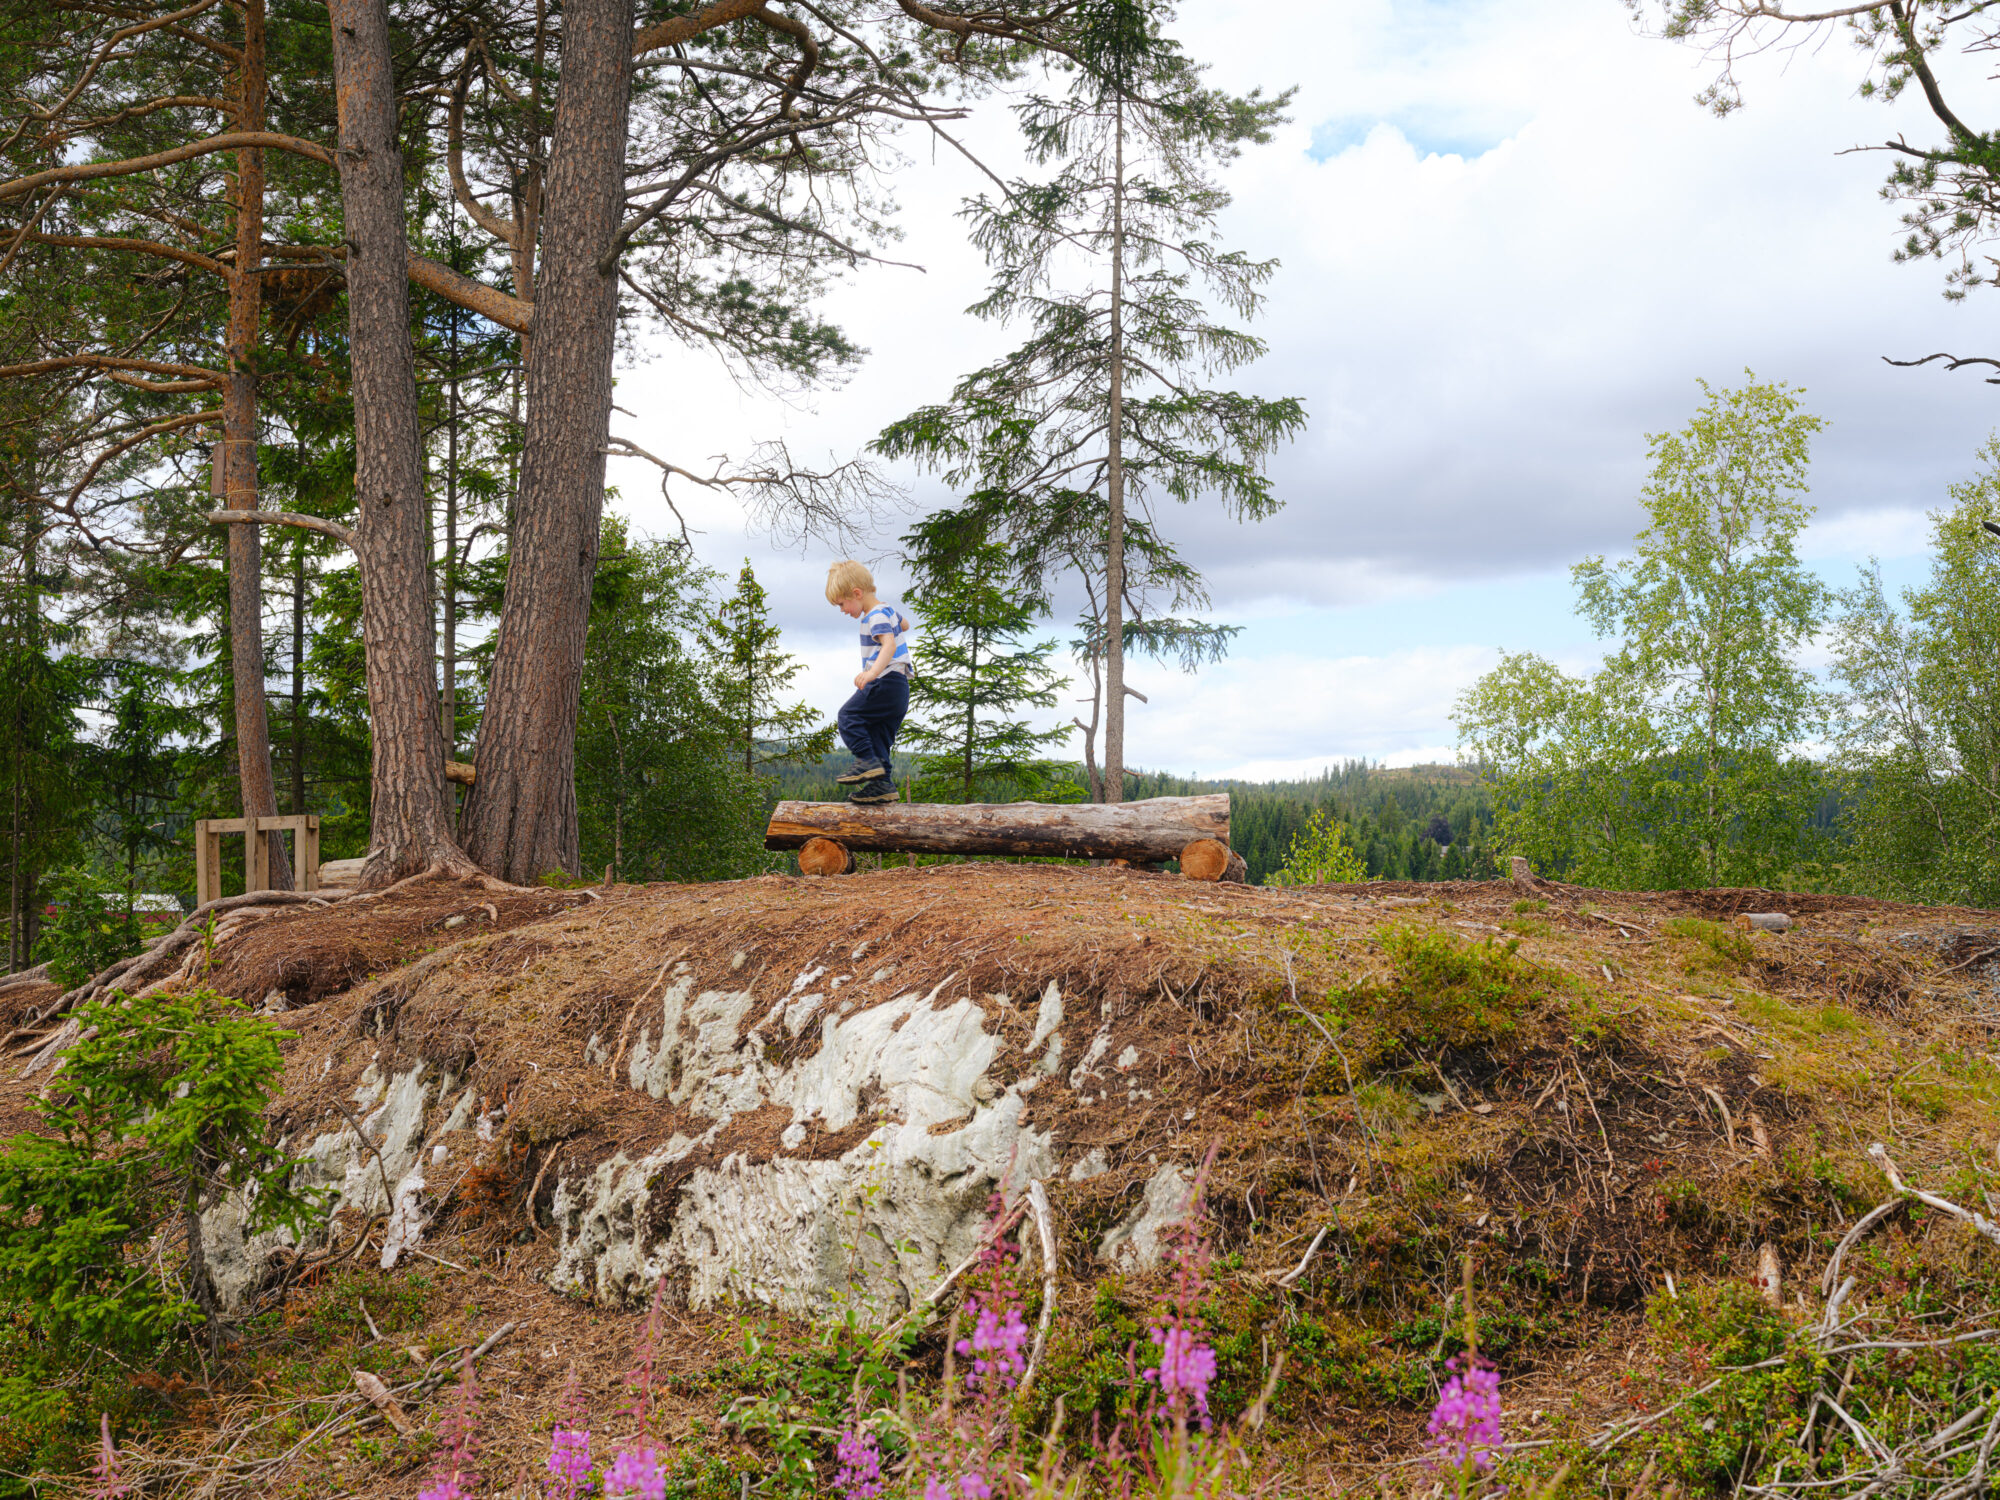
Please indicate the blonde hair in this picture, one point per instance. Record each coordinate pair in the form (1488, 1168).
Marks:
(844, 577)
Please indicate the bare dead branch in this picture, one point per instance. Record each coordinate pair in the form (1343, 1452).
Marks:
(342, 534)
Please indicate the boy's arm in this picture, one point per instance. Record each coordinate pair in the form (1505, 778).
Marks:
(883, 657)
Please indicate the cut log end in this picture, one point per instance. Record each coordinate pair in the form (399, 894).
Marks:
(825, 857)
(1764, 921)
(1211, 859)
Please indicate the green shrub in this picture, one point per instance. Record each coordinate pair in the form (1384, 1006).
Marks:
(1725, 945)
(1320, 855)
(1441, 992)
(92, 927)
(155, 1117)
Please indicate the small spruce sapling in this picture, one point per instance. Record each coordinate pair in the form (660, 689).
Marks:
(157, 1116)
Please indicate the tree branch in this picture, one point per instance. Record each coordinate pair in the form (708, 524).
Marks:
(342, 534)
(109, 362)
(686, 28)
(238, 140)
(474, 296)
(193, 258)
(503, 230)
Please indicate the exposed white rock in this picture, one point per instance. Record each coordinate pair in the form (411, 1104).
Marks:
(1141, 1239)
(911, 1084)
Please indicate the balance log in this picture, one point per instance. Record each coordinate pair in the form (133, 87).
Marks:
(1156, 829)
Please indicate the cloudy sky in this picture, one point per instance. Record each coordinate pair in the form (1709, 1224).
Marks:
(1511, 244)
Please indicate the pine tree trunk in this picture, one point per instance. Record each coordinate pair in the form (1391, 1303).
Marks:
(448, 691)
(239, 455)
(411, 824)
(521, 817)
(1114, 482)
(299, 673)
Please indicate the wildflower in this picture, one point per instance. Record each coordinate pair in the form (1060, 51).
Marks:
(1186, 1368)
(971, 1486)
(107, 1481)
(1465, 1425)
(569, 1463)
(453, 1478)
(636, 1472)
(860, 1476)
(998, 1337)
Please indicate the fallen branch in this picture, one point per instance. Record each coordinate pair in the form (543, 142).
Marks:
(1978, 1221)
(1045, 1227)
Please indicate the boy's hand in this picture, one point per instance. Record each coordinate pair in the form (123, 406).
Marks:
(862, 679)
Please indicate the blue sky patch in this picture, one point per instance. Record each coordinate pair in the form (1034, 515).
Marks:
(1428, 137)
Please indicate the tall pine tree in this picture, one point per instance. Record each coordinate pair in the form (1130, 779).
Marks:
(1065, 443)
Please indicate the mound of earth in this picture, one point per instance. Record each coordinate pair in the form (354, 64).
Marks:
(805, 1094)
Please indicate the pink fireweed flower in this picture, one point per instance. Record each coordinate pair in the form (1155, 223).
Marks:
(636, 1472)
(1465, 1425)
(1186, 1368)
(569, 1464)
(998, 1337)
(107, 1479)
(860, 1476)
(453, 1478)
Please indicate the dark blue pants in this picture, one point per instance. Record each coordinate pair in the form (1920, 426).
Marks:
(869, 720)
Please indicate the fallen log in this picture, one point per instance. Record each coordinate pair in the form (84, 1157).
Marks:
(1156, 829)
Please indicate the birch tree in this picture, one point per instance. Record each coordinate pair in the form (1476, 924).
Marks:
(1920, 744)
(1681, 760)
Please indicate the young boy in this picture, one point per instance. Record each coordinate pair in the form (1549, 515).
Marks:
(869, 720)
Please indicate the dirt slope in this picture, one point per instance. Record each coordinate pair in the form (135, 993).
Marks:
(1589, 1091)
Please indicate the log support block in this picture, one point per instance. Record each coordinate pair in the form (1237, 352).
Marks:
(825, 857)
(1211, 859)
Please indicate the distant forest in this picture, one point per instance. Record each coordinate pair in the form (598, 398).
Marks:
(1419, 823)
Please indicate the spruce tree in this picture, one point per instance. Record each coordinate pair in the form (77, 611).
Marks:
(974, 668)
(754, 676)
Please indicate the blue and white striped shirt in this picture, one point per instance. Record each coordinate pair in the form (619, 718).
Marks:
(887, 619)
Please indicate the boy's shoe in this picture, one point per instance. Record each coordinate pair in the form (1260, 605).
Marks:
(874, 791)
(864, 770)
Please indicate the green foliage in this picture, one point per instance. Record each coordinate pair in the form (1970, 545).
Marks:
(1440, 992)
(93, 926)
(792, 1396)
(1678, 762)
(153, 1120)
(660, 793)
(1320, 855)
(1725, 945)
(751, 678)
(1920, 746)
(973, 670)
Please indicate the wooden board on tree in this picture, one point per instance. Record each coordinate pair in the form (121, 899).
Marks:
(1155, 829)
